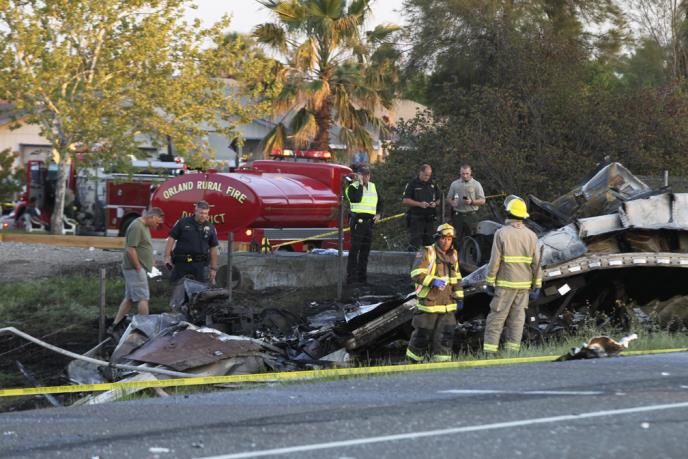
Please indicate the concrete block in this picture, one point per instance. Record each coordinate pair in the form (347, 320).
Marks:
(287, 269)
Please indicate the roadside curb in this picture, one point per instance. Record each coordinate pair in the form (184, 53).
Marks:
(297, 375)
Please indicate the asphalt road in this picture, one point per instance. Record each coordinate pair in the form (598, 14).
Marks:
(628, 407)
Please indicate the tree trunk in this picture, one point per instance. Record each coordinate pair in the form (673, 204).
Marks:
(56, 220)
(324, 119)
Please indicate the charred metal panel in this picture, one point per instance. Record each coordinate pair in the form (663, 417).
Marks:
(561, 245)
(680, 210)
(650, 212)
(189, 349)
(376, 328)
(602, 224)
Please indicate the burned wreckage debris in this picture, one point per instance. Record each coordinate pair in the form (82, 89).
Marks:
(240, 340)
(613, 248)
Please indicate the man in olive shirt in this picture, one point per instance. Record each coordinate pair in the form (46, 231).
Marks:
(465, 195)
(136, 262)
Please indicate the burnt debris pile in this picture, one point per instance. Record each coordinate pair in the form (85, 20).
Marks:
(613, 248)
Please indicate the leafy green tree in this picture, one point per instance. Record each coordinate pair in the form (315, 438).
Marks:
(10, 180)
(334, 72)
(646, 67)
(96, 75)
(665, 22)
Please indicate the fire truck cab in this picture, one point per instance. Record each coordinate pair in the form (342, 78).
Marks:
(100, 200)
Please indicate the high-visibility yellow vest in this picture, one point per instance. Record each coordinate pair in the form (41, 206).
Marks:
(368, 204)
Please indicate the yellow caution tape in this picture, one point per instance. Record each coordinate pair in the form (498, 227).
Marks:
(294, 375)
(331, 233)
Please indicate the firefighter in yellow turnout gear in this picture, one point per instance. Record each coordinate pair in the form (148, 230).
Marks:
(440, 294)
(513, 278)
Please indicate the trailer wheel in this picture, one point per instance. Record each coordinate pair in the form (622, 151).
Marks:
(221, 278)
(470, 253)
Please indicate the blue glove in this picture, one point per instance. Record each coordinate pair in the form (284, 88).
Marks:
(534, 294)
(439, 283)
(490, 290)
(459, 305)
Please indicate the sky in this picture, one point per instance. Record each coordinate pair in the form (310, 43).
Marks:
(246, 14)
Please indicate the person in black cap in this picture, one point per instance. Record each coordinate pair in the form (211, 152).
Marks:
(191, 245)
(422, 197)
(366, 207)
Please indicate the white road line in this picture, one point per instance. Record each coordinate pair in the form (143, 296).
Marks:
(435, 433)
(519, 392)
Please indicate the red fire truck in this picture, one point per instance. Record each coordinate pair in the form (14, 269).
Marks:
(102, 201)
(272, 200)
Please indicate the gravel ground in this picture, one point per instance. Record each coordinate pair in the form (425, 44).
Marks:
(19, 261)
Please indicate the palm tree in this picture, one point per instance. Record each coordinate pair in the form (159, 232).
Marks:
(333, 72)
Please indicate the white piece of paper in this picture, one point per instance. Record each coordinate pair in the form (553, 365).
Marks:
(564, 289)
(155, 272)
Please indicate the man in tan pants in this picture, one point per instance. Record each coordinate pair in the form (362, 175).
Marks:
(514, 270)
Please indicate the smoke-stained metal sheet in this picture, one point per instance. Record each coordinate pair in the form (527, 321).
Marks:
(189, 349)
(603, 224)
(651, 212)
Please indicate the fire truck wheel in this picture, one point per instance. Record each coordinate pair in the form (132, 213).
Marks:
(221, 278)
(125, 225)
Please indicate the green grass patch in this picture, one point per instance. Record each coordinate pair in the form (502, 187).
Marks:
(42, 306)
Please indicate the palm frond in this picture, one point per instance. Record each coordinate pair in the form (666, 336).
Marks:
(319, 92)
(287, 98)
(380, 33)
(306, 56)
(347, 26)
(356, 138)
(291, 12)
(332, 9)
(275, 139)
(272, 35)
(367, 98)
(342, 107)
(347, 137)
(359, 8)
(363, 139)
(304, 127)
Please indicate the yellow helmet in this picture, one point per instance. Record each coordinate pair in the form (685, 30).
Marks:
(445, 229)
(517, 207)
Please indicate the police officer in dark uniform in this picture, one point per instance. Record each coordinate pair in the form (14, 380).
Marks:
(192, 244)
(423, 198)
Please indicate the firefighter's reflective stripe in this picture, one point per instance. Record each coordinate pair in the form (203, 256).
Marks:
(265, 245)
(439, 308)
(516, 285)
(454, 280)
(458, 294)
(423, 288)
(490, 347)
(511, 346)
(368, 204)
(516, 259)
(413, 356)
(440, 358)
(415, 272)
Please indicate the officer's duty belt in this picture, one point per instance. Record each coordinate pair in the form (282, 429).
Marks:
(189, 258)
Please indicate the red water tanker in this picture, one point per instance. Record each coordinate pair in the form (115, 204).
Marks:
(277, 200)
